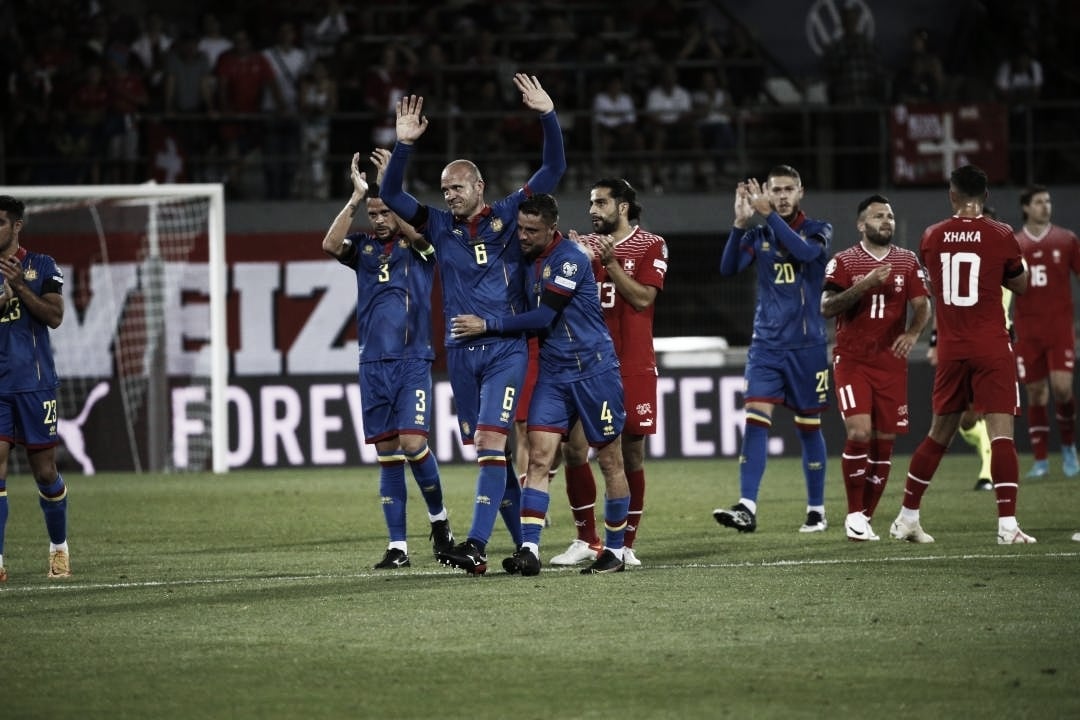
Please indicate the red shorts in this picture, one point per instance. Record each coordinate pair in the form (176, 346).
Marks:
(1036, 358)
(988, 384)
(527, 387)
(639, 399)
(865, 389)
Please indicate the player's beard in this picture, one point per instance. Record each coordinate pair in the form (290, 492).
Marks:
(878, 238)
(605, 226)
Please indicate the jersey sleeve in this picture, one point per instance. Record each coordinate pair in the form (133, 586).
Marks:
(654, 265)
(837, 277)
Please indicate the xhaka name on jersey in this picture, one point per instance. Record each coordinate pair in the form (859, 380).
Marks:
(967, 236)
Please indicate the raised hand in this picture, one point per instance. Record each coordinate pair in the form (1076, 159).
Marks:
(411, 122)
(532, 94)
(744, 210)
(379, 158)
(359, 179)
(758, 199)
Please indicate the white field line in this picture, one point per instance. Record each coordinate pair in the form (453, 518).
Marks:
(69, 586)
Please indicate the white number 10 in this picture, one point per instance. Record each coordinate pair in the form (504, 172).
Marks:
(953, 266)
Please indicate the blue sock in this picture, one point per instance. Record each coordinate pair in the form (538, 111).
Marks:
(615, 512)
(813, 458)
(490, 486)
(511, 505)
(425, 470)
(3, 512)
(53, 501)
(754, 449)
(534, 507)
(392, 493)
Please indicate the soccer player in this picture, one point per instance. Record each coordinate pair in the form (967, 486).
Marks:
(788, 361)
(630, 264)
(521, 418)
(393, 323)
(578, 379)
(31, 303)
(972, 428)
(968, 258)
(868, 288)
(480, 268)
(1045, 339)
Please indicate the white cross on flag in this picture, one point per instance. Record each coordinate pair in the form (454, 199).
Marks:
(930, 140)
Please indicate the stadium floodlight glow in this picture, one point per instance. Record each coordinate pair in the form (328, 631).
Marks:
(134, 257)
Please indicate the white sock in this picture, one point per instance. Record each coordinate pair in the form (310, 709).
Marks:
(750, 505)
(909, 515)
(61, 547)
(816, 508)
(399, 545)
(440, 516)
(1007, 524)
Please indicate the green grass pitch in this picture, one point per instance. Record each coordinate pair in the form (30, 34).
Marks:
(251, 596)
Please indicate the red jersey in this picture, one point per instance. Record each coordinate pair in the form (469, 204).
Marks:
(643, 256)
(967, 260)
(1046, 309)
(867, 330)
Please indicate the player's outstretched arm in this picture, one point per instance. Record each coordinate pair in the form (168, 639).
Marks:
(334, 242)
(551, 171)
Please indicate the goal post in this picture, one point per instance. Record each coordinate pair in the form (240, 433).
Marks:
(145, 320)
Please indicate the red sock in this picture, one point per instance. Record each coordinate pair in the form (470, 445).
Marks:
(854, 464)
(1039, 430)
(636, 481)
(924, 464)
(1005, 469)
(1066, 420)
(581, 492)
(877, 473)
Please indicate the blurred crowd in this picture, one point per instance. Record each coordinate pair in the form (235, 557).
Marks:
(273, 97)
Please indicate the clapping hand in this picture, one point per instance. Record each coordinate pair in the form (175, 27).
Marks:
(532, 94)
(380, 157)
(359, 179)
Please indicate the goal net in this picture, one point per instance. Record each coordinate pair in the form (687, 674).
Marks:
(142, 352)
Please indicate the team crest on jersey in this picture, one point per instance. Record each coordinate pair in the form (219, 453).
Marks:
(629, 265)
(765, 246)
(496, 225)
(403, 243)
(899, 281)
(547, 272)
(368, 248)
(465, 429)
(568, 269)
(1057, 256)
(30, 274)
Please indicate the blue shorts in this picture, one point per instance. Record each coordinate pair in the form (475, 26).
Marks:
(596, 401)
(396, 398)
(798, 379)
(485, 379)
(29, 418)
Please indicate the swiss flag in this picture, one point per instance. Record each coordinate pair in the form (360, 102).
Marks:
(930, 140)
(168, 163)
